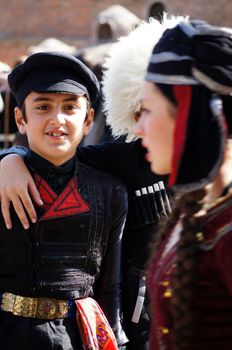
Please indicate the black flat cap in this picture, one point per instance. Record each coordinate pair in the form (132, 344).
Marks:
(52, 72)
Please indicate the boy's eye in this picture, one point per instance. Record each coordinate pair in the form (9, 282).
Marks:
(42, 107)
(71, 107)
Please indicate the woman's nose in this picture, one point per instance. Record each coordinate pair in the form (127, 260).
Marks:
(138, 127)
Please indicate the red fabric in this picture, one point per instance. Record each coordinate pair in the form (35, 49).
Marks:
(68, 203)
(213, 303)
(183, 97)
(95, 331)
(47, 195)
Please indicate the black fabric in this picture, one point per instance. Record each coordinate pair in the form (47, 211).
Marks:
(12, 125)
(168, 92)
(138, 333)
(227, 109)
(125, 161)
(56, 176)
(52, 72)
(66, 258)
(32, 334)
(204, 141)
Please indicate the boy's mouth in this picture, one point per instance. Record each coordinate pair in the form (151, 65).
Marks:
(56, 133)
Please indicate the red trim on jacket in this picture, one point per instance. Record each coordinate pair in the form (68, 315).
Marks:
(69, 202)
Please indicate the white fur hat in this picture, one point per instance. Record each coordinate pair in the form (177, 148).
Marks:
(124, 72)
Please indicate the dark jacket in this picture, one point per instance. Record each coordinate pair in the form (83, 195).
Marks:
(74, 250)
(127, 162)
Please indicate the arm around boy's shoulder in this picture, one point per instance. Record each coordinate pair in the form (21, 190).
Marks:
(19, 150)
(105, 156)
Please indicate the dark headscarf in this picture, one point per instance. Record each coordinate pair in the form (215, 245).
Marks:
(194, 61)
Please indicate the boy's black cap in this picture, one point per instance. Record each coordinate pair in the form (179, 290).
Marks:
(52, 72)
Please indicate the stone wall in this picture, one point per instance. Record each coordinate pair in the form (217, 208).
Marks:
(28, 22)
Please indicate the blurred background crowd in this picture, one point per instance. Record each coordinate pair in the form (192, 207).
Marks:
(86, 29)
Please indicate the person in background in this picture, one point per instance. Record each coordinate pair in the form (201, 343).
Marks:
(54, 275)
(4, 70)
(9, 134)
(186, 126)
(149, 198)
(8, 126)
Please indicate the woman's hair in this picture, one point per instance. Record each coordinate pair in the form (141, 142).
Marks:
(185, 275)
(186, 207)
(189, 209)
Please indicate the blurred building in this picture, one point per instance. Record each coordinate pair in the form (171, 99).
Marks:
(80, 23)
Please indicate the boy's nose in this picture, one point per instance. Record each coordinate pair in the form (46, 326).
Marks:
(58, 118)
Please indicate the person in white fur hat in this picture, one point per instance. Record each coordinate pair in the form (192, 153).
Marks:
(124, 71)
(148, 200)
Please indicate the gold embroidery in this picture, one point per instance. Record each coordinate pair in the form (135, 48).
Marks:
(199, 236)
(164, 330)
(168, 293)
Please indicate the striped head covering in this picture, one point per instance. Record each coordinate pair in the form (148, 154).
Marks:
(192, 65)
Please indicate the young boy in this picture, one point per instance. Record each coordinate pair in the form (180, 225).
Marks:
(48, 272)
(122, 81)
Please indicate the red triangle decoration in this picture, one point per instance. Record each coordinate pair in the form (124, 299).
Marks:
(68, 203)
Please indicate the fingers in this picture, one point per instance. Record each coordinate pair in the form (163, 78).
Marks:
(22, 204)
(5, 206)
(34, 193)
(18, 207)
(25, 204)
(16, 190)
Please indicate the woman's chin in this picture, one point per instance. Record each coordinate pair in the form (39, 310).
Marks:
(157, 169)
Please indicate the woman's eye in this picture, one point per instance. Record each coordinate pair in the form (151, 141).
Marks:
(144, 110)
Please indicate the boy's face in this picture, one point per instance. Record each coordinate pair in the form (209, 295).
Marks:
(55, 125)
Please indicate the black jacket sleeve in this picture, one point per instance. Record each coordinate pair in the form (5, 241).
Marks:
(125, 161)
(107, 289)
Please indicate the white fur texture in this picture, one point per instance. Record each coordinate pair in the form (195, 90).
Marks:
(124, 72)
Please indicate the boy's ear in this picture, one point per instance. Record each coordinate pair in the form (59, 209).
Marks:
(89, 121)
(19, 120)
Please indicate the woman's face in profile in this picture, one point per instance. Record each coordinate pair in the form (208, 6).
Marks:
(156, 127)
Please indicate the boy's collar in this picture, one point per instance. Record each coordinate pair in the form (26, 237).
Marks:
(44, 167)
